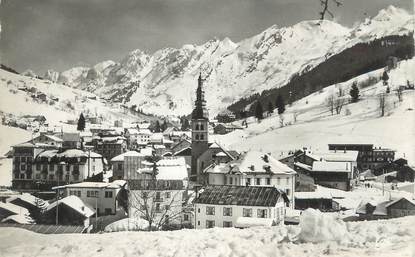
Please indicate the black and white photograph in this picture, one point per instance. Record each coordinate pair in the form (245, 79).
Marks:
(207, 128)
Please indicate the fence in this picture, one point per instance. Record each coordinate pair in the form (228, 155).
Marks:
(47, 229)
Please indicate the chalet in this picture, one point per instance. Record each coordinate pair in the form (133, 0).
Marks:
(316, 200)
(226, 116)
(332, 174)
(8, 209)
(118, 163)
(342, 156)
(71, 211)
(215, 154)
(225, 128)
(48, 139)
(240, 206)
(109, 146)
(101, 196)
(386, 209)
(143, 137)
(70, 140)
(254, 169)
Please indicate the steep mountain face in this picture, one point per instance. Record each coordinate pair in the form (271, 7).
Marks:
(165, 82)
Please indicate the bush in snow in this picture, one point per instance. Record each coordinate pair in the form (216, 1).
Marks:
(318, 227)
(127, 224)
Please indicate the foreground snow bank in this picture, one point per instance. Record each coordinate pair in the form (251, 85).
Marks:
(317, 227)
(371, 238)
(127, 224)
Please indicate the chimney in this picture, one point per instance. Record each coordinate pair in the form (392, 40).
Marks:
(344, 150)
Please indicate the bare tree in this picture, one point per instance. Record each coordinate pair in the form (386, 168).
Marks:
(326, 8)
(399, 94)
(295, 115)
(159, 211)
(382, 104)
(282, 118)
(330, 103)
(338, 104)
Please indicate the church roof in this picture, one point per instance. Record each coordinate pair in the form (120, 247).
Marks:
(200, 110)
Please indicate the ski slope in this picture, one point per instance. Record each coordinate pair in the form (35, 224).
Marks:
(316, 127)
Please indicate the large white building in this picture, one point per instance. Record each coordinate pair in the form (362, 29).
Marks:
(101, 196)
(239, 206)
(254, 169)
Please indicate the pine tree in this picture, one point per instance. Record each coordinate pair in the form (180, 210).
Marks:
(259, 112)
(185, 124)
(354, 93)
(280, 105)
(385, 78)
(81, 123)
(157, 127)
(163, 126)
(270, 108)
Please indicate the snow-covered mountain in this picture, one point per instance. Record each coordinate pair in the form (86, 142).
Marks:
(164, 82)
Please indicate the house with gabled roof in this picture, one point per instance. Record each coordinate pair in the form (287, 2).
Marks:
(332, 174)
(239, 206)
(253, 168)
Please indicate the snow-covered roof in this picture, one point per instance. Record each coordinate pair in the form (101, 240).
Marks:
(94, 155)
(88, 185)
(48, 153)
(182, 150)
(247, 222)
(144, 131)
(17, 218)
(331, 166)
(221, 154)
(148, 151)
(132, 131)
(335, 156)
(70, 137)
(120, 158)
(14, 208)
(74, 203)
(313, 195)
(72, 153)
(254, 161)
(302, 165)
(174, 169)
(156, 136)
(54, 138)
(30, 199)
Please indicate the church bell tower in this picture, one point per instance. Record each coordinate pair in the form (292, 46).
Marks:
(200, 122)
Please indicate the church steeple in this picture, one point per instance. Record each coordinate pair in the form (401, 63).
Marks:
(200, 124)
(200, 111)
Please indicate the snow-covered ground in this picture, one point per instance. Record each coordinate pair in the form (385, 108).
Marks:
(318, 235)
(358, 122)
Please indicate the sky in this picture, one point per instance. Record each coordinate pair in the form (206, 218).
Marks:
(60, 34)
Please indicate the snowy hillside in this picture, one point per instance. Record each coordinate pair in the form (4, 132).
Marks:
(359, 122)
(318, 235)
(164, 82)
(61, 103)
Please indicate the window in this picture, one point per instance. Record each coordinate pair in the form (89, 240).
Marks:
(76, 167)
(51, 167)
(202, 137)
(227, 224)
(198, 210)
(210, 223)
(68, 168)
(90, 193)
(37, 176)
(51, 177)
(230, 180)
(168, 195)
(108, 211)
(67, 177)
(247, 212)
(23, 159)
(210, 210)
(197, 136)
(258, 181)
(287, 181)
(278, 180)
(248, 181)
(119, 166)
(21, 176)
(23, 167)
(268, 181)
(167, 207)
(227, 211)
(186, 217)
(29, 159)
(158, 207)
(198, 222)
(75, 192)
(287, 191)
(38, 166)
(201, 127)
(60, 168)
(108, 194)
(261, 213)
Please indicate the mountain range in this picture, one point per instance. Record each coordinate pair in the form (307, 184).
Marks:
(165, 82)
